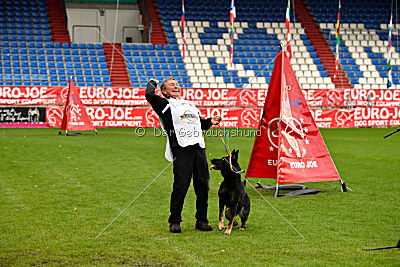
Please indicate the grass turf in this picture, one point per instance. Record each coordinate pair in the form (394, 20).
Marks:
(58, 193)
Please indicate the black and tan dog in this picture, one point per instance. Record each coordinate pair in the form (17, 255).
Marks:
(232, 193)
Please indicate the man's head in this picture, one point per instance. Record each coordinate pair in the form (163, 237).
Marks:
(170, 88)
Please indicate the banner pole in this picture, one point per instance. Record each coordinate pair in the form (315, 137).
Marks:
(344, 188)
(276, 189)
(282, 48)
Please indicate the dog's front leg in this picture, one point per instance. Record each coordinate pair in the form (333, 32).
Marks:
(221, 216)
(231, 219)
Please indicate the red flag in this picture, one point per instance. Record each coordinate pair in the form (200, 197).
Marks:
(264, 157)
(75, 117)
(289, 146)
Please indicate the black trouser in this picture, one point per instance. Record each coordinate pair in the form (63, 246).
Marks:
(191, 160)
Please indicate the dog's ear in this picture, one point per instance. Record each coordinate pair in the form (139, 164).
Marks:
(235, 154)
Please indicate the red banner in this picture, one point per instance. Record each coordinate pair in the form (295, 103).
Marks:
(290, 147)
(233, 117)
(109, 96)
(29, 95)
(146, 117)
(134, 96)
(357, 117)
(352, 97)
(75, 117)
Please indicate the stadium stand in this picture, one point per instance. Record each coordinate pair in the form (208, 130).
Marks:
(145, 61)
(33, 53)
(364, 34)
(30, 58)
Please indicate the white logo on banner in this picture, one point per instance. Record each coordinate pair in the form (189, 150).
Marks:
(75, 112)
(333, 97)
(150, 117)
(64, 93)
(248, 116)
(273, 131)
(342, 117)
(54, 114)
(294, 129)
(248, 97)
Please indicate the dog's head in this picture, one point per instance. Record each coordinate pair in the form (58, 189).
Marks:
(224, 164)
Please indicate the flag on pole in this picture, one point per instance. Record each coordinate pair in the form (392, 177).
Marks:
(231, 21)
(337, 44)
(288, 35)
(388, 66)
(75, 117)
(288, 146)
(183, 28)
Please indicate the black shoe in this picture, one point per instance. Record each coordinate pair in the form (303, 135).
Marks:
(175, 228)
(203, 226)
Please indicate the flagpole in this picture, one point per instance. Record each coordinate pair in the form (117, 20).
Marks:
(232, 18)
(388, 61)
(337, 55)
(288, 34)
(280, 124)
(183, 29)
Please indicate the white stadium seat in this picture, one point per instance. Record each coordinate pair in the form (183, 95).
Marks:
(211, 79)
(250, 73)
(204, 85)
(205, 66)
(242, 73)
(327, 80)
(221, 85)
(302, 80)
(200, 74)
(219, 79)
(208, 73)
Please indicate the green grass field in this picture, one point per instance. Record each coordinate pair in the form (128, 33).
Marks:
(58, 193)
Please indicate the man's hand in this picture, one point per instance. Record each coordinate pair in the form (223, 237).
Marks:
(154, 80)
(215, 120)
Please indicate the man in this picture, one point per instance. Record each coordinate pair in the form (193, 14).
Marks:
(183, 124)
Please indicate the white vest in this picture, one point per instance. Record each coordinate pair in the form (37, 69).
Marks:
(187, 125)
